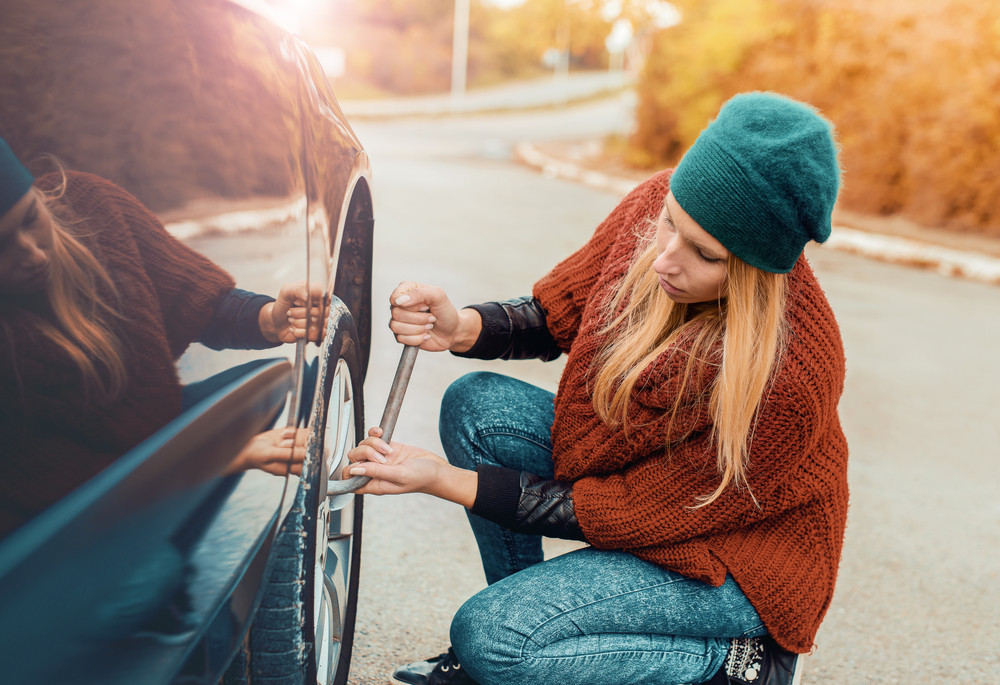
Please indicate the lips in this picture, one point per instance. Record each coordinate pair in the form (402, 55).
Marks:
(669, 288)
(37, 278)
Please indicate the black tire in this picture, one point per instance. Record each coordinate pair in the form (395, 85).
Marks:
(303, 632)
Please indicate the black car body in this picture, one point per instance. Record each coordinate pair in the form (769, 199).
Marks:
(160, 569)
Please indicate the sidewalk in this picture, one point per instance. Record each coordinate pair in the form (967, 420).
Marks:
(887, 239)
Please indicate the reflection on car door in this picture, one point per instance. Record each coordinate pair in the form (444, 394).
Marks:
(154, 568)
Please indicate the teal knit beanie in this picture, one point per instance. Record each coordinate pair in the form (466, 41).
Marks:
(15, 180)
(762, 179)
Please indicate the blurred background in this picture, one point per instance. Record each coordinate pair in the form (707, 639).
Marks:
(913, 86)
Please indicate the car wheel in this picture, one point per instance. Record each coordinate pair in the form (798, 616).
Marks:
(303, 632)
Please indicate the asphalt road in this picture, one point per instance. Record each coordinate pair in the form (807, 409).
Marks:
(917, 598)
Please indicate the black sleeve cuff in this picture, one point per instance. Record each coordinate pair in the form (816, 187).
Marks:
(494, 339)
(235, 323)
(497, 494)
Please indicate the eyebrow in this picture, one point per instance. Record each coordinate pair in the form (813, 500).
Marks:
(705, 250)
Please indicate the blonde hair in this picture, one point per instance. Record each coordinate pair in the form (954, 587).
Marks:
(748, 321)
(79, 321)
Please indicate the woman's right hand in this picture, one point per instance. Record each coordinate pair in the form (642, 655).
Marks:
(422, 315)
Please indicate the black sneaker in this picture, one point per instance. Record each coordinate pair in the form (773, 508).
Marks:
(758, 661)
(443, 669)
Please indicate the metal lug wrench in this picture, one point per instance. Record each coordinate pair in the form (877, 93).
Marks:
(392, 405)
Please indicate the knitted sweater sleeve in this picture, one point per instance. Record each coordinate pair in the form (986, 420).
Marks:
(188, 285)
(565, 291)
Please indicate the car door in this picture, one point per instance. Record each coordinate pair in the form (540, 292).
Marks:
(151, 571)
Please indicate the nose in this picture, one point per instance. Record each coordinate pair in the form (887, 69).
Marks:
(33, 254)
(666, 262)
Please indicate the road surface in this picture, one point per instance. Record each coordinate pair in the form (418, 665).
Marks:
(917, 599)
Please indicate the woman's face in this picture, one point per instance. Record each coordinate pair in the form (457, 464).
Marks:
(690, 263)
(25, 246)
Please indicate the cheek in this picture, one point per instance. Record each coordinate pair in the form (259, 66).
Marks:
(720, 280)
(712, 281)
(45, 231)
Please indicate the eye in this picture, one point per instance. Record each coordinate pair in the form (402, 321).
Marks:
(710, 260)
(30, 217)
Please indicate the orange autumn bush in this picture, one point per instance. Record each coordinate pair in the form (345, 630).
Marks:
(912, 86)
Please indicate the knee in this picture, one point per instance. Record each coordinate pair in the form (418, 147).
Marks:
(485, 644)
(467, 630)
(467, 393)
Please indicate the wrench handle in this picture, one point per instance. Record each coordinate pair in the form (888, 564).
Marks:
(399, 382)
(397, 390)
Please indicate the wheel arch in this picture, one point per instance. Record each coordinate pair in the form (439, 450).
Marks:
(353, 270)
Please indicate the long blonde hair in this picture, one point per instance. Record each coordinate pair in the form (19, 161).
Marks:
(80, 322)
(644, 323)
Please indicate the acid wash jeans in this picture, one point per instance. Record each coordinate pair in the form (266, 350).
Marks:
(590, 617)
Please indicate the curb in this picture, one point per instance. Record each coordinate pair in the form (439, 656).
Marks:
(975, 266)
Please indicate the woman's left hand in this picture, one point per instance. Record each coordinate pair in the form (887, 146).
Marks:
(288, 319)
(395, 468)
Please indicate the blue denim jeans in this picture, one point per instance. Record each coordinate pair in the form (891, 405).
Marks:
(590, 617)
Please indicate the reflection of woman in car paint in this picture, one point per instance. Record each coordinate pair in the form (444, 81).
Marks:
(97, 301)
(693, 442)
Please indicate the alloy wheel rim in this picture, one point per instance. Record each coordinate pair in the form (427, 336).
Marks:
(338, 438)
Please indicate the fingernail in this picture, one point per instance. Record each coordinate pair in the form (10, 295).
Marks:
(429, 326)
(287, 443)
(381, 458)
(427, 336)
(402, 299)
(432, 319)
(357, 471)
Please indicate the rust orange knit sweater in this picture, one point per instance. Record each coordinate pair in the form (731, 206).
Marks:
(629, 495)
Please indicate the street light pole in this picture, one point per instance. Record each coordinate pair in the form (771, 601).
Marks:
(561, 71)
(459, 54)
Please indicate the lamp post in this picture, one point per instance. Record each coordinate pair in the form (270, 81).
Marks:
(459, 54)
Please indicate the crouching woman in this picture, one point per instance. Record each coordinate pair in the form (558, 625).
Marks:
(693, 442)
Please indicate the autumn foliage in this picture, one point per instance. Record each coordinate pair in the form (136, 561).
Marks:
(913, 88)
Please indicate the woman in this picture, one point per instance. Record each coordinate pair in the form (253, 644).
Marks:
(693, 442)
(97, 301)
